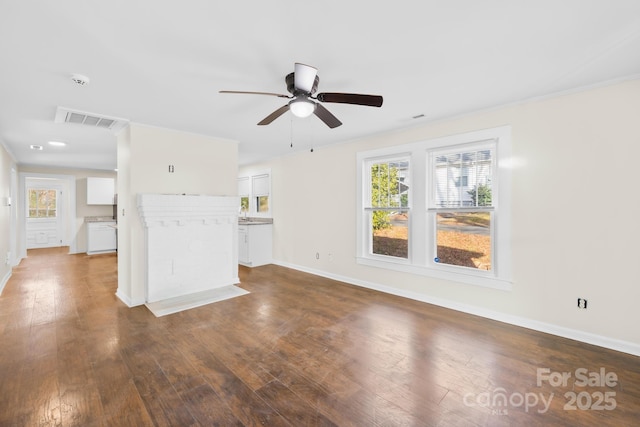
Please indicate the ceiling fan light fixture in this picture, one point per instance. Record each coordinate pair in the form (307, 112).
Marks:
(302, 107)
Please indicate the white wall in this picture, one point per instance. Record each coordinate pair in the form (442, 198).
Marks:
(6, 165)
(201, 165)
(575, 223)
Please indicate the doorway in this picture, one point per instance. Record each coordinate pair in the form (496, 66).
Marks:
(46, 211)
(45, 222)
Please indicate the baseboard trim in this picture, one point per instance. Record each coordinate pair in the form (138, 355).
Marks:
(197, 299)
(128, 301)
(561, 331)
(125, 299)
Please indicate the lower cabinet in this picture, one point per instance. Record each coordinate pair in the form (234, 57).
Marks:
(101, 237)
(254, 244)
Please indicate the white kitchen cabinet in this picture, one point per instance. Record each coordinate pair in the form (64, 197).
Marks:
(100, 191)
(101, 237)
(254, 244)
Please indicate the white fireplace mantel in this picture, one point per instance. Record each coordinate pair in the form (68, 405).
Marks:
(191, 243)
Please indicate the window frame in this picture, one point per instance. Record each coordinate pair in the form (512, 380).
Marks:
(369, 208)
(433, 210)
(247, 188)
(422, 221)
(244, 192)
(37, 209)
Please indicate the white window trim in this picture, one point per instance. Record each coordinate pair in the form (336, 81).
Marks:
(419, 261)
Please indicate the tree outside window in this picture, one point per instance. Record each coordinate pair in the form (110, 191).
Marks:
(42, 203)
(389, 208)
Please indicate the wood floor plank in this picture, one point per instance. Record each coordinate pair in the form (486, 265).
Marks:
(163, 403)
(39, 386)
(208, 408)
(245, 404)
(81, 406)
(293, 408)
(124, 407)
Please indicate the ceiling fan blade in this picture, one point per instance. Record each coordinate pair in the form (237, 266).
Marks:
(279, 95)
(271, 117)
(326, 116)
(304, 76)
(350, 98)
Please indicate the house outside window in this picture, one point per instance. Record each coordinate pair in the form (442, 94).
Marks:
(462, 210)
(439, 208)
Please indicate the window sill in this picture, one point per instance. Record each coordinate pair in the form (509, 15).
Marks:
(470, 279)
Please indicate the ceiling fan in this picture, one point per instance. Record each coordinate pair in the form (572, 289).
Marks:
(302, 84)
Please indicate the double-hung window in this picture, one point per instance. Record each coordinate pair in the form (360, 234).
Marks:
(261, 187)
(461, 210)
(387, 207)
(244, 192)
(439, 208)
(254, 191)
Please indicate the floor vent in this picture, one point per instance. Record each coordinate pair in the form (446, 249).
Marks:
(65, 115)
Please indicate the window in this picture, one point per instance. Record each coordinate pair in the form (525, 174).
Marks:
(255, 194)
(438, 208)
(42, 203)
(462, 210)
(260, 187)
(244, 191)
(388, 207)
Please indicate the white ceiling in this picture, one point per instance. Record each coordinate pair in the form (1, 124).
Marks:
(163, 62)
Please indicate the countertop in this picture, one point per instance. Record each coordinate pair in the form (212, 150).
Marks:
(254, 221)
(99, 219)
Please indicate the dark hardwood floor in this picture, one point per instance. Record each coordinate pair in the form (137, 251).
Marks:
(299, 350)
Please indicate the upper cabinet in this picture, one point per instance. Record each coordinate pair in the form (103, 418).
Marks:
(101, 191)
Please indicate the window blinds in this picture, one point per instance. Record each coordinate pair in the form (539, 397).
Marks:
(261, 185)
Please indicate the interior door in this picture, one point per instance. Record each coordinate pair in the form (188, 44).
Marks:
(45, 213)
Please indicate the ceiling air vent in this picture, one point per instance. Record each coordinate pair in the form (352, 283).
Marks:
(65, 115)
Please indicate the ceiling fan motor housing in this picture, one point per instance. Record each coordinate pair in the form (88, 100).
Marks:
(290, 80)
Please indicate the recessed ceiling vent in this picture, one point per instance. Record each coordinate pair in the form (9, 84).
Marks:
(66, 115)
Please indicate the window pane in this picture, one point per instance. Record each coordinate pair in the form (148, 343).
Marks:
(463, 179)
(390, 184)
(263, 204)
(244, 204)
(390, 233)
(464, 239)
(42, 203)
